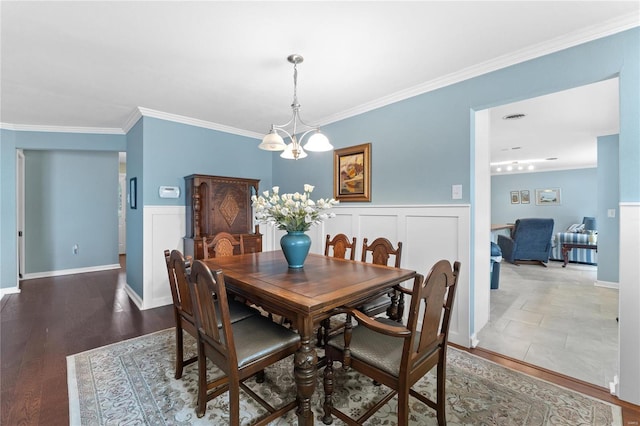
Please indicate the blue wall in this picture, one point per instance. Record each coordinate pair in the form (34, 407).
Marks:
(162, 153)
(8, 254)
(71, 197)
(608, 198)
(12, 140)
(578, 195)
(173, 151)
(423, 145)
(135, 156)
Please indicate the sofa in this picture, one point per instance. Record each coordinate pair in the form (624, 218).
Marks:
(578, 255)
(530, 241)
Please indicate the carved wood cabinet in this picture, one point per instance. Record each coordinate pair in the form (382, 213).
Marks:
(215, 204)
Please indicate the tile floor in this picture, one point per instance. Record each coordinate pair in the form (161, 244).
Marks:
(555, 318)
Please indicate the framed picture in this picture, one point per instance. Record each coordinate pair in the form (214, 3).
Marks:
(133, 193)
(352, 173)
(524, 196)
(515, 197)
(548, 197)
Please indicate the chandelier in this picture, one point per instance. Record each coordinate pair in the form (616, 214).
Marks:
(273, 141)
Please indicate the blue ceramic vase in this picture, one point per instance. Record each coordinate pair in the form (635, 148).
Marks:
(295, 246)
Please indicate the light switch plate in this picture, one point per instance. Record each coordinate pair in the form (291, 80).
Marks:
(611, 213)
(456, 192)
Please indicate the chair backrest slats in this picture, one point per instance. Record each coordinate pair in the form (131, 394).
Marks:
(381, 250)
(207, 287)
(178, 268)
(435, 295)
(222, 244)
(340, 244)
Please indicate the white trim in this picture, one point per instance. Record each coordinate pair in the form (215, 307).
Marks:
(630, 204)
(8, 290)
(134, 296)
(629, 300)
(62, 129)
(613, 386)
(61, 272)
(146, 112)
(606, 284)
(474, 340)
(20, 213)
(132, 120)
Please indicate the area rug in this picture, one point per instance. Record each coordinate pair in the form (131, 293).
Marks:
(131, 382)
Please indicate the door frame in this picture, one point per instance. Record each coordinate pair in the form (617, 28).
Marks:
(20, 215)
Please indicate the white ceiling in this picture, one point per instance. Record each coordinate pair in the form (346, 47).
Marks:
(92, 64)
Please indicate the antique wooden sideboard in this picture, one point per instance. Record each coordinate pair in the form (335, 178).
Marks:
(219, 204)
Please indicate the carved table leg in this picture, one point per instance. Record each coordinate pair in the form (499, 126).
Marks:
(305, 374)
(565, 255)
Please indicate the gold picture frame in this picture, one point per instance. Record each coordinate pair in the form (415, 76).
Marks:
(352, 173)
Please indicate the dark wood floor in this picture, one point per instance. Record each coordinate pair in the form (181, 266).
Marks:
(59, 316)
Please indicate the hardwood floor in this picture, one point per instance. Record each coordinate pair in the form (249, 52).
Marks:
(59, 316)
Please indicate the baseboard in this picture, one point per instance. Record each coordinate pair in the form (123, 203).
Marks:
(133, 296)
(9, 290)
(474, 340)
(607, 284)
(70, 271)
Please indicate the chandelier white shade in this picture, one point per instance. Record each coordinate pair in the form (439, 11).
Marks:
(273, 141)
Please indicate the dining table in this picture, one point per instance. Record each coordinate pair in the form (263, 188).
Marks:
(305, 296)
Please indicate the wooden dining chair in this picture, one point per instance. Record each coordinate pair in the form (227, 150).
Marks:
(379, 252)
(182, 306)
(338, 246)
(222, 244)
(240, 349)
(398, 356)
(335, 247)
(178, 269)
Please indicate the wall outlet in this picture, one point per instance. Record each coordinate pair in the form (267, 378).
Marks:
(456, 192)
(75, 249)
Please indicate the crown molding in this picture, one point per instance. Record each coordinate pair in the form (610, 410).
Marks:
(604, 29)
(62, 129)
(132, 120)
(146, 112)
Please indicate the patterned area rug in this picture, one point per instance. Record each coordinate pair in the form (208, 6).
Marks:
(131, 382)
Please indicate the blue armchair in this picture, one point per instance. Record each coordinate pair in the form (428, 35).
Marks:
(530, 242)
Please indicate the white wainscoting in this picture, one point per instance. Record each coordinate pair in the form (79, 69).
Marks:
(428, 234)
(164, 228)
(629, 296)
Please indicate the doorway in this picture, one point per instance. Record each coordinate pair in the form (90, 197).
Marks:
(122, 214)
(483, 216)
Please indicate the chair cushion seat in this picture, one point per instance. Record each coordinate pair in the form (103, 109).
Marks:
(376, 305)
(237, 312)
(257, 336)
(377, 349)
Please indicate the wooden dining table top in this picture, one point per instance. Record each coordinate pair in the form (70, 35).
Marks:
(324, 282)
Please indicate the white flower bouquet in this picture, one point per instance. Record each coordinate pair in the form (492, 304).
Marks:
(291, 212)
